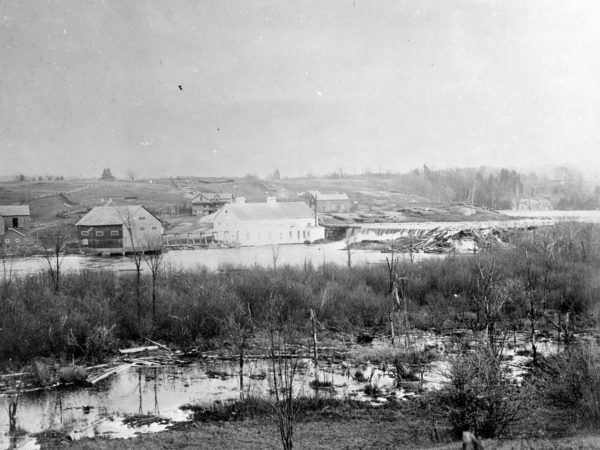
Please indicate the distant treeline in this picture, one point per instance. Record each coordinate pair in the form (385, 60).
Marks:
(499, 189)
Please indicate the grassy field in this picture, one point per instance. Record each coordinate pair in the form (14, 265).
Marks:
(366, 433)
(53, 201)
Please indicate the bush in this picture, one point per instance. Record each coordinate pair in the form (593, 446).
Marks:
(480, 394)
(570, 381)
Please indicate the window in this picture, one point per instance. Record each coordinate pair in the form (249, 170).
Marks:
(17, 240)
(303, 234)
(7, 241)
(308, 232)
(85, 233)
(15, 222)
(142, 228)
(154, 228)
(99, 233)
(114, 233)
(84, 242)
(141, 218)
(247, 236)
(290, 235)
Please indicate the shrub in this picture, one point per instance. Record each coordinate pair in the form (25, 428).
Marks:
(481, 394)
(570, 381)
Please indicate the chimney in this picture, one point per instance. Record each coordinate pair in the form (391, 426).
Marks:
(271, 200)
(240, 200)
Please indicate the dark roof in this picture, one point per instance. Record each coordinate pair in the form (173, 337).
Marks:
(269, 211)
(14, 210)
(108, 215)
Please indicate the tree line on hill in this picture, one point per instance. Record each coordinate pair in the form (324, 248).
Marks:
(499, 189)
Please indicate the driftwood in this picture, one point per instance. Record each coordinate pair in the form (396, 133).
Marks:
(159, 345)
(108, 373)
(127, 351)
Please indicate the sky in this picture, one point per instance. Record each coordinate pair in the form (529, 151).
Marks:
(229, 88)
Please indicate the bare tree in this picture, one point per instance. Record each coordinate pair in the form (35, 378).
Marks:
(284, 366)
(275, 252)
(137, 255)
(240, 326)
(153, 259)
(349, 241)
(392, 264)
(488, 299)
(54, 244)
(6, 259)
(283, 376)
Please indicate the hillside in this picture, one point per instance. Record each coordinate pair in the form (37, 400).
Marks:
(373, 198)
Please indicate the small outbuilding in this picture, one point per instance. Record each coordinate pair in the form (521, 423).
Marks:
(328, 202)
(15, 216)
(206, 203)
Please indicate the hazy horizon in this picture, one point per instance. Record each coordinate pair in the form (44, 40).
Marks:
(225, 88)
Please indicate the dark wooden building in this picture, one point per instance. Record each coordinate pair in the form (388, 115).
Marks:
(119, 229)
(15, 216)
(12, 239)
(325, 203)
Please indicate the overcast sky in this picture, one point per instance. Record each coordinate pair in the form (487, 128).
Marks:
(302, 86)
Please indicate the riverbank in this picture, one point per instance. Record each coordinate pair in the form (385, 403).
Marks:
(345, 427)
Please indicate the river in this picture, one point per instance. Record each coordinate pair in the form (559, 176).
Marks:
(293, 254)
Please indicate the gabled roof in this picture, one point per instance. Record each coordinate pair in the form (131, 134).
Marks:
(212, 197)
(268, 211)
(14, 210)
(108, 215)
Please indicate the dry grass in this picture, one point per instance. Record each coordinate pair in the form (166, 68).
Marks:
(357, 433)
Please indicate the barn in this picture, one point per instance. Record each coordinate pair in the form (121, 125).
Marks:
(15, 216)
(119, 229)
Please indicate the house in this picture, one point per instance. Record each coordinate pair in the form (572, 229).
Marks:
(15, 216)
(12, 238)
(266, 223)
(333, 202)
(206, 203)
(119, 229)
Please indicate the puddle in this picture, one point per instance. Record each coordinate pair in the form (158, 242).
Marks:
(159, 391)
(101, 410)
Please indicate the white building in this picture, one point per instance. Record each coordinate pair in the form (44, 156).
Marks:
(266, 223)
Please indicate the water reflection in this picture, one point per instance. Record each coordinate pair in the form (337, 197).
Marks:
(100, 409)
(294, 255)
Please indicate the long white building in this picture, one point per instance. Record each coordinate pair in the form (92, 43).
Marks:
(266, 223)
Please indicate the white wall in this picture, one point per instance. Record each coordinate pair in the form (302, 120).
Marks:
(285, 231)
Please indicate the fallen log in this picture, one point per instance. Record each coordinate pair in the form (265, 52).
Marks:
(160, 345)
(108, 373)
(127, 351)
(144, 362)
